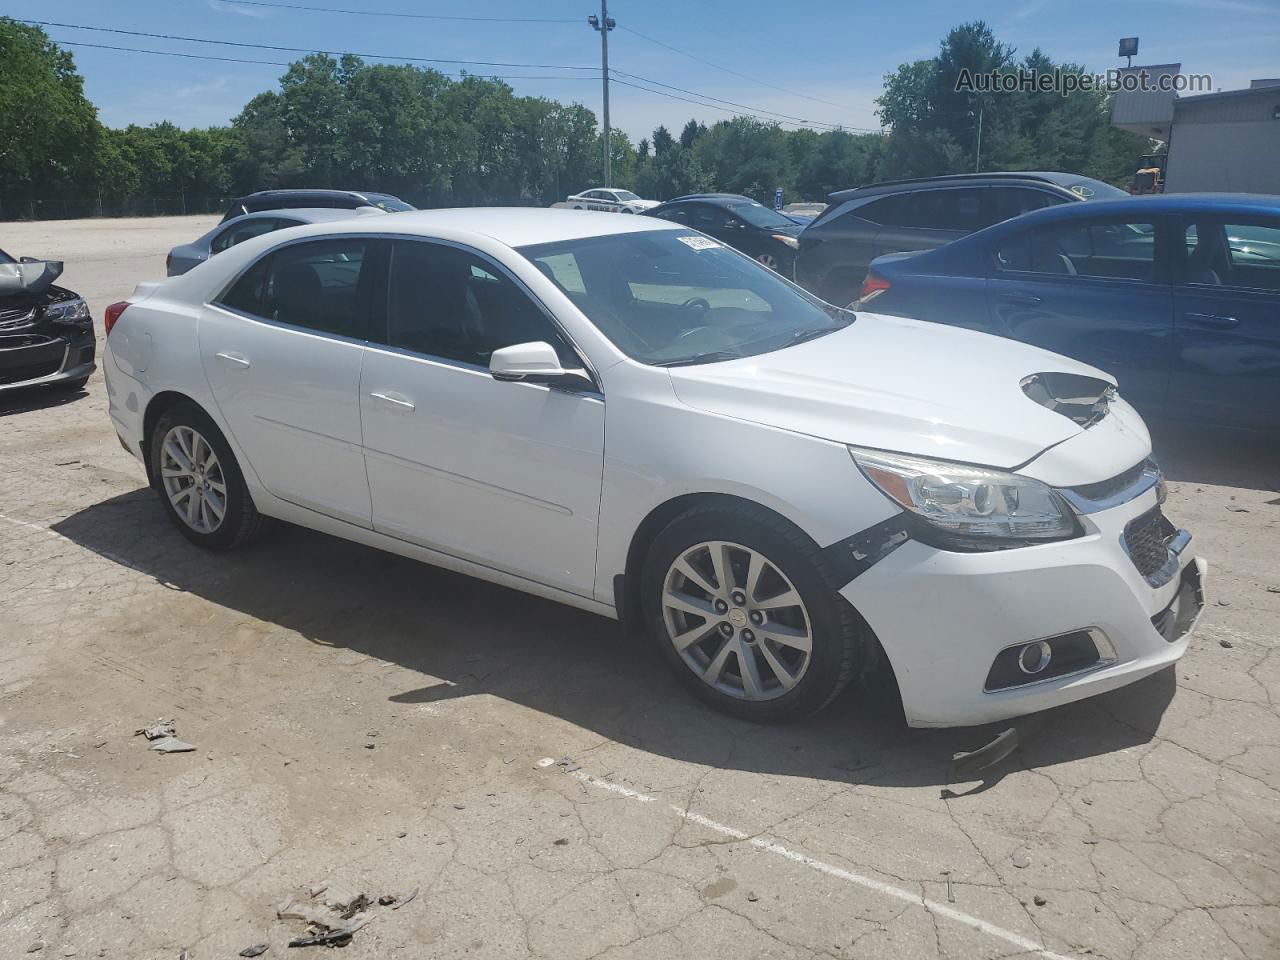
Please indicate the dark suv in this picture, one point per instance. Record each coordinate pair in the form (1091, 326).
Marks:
(740, 222)
(865, 222)
(294, 199)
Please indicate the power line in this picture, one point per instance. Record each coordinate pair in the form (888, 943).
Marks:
(744, 76)
(331, 53)
(706, 96)
(406, 16)
(700, 103)
(284, 63)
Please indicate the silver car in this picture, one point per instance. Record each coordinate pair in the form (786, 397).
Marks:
(226, 235)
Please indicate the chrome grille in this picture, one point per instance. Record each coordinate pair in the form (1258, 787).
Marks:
(1146, 538)
(12, 319)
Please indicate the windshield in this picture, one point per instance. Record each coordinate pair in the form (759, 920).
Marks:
(625, 195)
(761, 216)
(669, 297)
(1091, 189)
(384, 201)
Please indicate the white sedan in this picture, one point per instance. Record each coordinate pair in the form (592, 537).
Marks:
(630, 417)
(610, 201)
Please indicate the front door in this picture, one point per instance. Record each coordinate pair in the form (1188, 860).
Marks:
(500, 473)
(282, 350)
(1227, 323)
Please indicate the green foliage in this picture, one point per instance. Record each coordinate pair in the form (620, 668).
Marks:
(934, 128)
(48, 131)
(438, 141)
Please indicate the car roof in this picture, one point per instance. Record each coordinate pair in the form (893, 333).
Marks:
(305, 214)
(1154, 204)
(710, 197)
(310, 192)
(889, 186)
(512, 226)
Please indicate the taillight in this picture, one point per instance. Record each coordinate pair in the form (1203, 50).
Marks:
(873, 286)
(113, 314)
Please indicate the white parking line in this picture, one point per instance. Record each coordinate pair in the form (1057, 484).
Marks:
(831, 870)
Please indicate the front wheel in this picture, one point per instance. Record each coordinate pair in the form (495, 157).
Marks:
(199, 481)
(744, 610)
(769, 260)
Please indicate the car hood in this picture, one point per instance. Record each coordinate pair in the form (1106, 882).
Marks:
(903, 385)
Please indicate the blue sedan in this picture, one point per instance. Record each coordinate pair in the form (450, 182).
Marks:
(1177, 296)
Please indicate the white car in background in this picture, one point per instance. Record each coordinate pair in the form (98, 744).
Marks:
(610, 200)
(628, 416)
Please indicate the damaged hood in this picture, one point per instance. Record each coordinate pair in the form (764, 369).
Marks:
(33, 277)
(912, 387)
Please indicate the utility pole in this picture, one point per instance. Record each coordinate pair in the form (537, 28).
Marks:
(604, 23)
(977, 159)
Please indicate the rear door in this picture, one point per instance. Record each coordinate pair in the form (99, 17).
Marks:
(282, 350)
(1226, 366)
(926, 219)
(1096, 290)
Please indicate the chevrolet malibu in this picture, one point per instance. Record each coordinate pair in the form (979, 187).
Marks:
(630, 417)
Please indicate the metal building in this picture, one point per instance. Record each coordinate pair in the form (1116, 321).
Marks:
(1227, 141)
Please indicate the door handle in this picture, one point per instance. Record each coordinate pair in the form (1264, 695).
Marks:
(395, 401)
(1025, 298)
(233, 358)
(1213, 320)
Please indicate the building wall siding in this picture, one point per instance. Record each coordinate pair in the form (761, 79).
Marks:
(1239, 156)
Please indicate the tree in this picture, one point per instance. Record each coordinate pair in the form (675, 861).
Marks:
(691, 132)
(662, 141)
(49, 131)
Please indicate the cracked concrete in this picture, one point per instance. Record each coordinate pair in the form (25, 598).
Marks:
(1147, 818)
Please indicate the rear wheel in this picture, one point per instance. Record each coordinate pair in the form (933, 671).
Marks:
(769, 260)
(199, 481)
(745, 612)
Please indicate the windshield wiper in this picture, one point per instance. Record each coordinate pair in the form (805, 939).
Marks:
(711, 356)
(813, 333)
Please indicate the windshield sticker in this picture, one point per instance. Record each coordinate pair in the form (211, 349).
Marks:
(698, 243)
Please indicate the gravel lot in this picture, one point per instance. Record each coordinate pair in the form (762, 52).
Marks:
(364, 719)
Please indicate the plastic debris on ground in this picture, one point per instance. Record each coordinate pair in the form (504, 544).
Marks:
(257, 950)
(160, 729)
(333, 911)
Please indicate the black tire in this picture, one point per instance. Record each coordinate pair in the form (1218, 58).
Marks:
(839, 642)
(241, 522)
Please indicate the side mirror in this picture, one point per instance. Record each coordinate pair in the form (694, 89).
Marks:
(536, 361)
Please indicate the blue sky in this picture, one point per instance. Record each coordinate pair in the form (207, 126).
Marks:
(829, 56)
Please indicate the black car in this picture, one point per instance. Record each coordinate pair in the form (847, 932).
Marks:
(904, 215)
(739, 222)
(46, 332)
(292, 199)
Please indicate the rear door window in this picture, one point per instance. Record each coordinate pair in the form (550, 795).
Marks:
(957, 209)
(1115, 250)
(1010, 202)
(321, 285)
(239, 233)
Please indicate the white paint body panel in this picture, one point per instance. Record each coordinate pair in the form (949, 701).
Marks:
(543, 490)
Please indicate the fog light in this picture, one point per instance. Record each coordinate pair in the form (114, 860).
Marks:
(1035, 657)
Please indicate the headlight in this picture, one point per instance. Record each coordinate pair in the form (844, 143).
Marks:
(791, 242)
(68, 311)
(970, 507)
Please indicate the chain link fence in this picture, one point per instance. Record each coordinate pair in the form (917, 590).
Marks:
(96, 206)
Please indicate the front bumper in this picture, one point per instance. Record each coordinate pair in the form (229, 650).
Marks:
(37, 359)
(942, 617)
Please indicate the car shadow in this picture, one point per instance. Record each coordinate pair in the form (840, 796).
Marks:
(27, 399)
(467, 638)
(1234, 458)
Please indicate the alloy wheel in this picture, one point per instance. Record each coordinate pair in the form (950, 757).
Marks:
(769, 260)
(193, 479)
(736, 620)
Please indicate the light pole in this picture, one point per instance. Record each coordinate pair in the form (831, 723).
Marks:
(604, 23)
